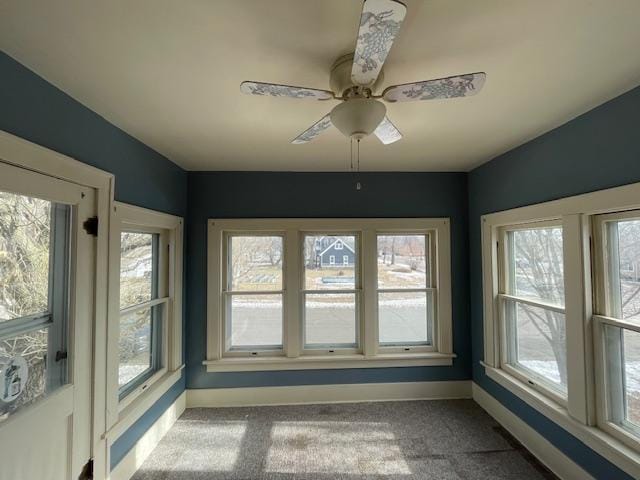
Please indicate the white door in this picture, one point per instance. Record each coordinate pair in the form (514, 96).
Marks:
(47, 271)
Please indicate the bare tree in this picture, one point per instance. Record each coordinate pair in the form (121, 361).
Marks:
(24, 273)
(537, 270)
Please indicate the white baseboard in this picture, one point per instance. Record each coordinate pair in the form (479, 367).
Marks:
(344, 393)
(139, 453)
(539, 446)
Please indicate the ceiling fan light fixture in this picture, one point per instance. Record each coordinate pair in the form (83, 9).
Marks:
(358, 117)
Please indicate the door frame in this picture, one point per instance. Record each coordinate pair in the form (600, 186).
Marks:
(24, 154)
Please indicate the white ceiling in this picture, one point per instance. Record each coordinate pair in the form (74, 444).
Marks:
(168, 73)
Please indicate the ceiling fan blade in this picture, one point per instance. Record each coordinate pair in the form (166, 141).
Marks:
(275, 90)
(387, 132)
(451, 87)
(313, 131)
(380, 23)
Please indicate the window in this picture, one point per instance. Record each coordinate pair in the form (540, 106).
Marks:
(561, 286)
(254, 292)
(303, 293)
(331, 301)
(618, 317)
(144, 303)
(405, 296)
(34, 279)
(532, 302)
(143, 300)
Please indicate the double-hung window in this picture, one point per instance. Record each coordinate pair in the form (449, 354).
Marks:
(331, 293)
(406, 295)
(145, 306)
(617, 321)
(327, 293)
(532, 305)
(253, 293)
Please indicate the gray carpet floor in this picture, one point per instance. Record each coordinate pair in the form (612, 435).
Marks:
(436, 440)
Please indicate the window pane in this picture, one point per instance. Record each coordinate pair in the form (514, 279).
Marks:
(536, 268)
(330, 319)
(137, 268)
(136, 345)
(402, 261)
(256, 321)
(25, 235)
(537, 342)
(625, 281)
(632, 376)
(623, 367)
(330, 262)
(23, 369)
(405, 318)
(255, 263)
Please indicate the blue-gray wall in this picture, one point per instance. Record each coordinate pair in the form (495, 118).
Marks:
(37, 111)
(309, 195)
(598, 150)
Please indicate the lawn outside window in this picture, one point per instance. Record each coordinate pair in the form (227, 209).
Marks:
(323, 303)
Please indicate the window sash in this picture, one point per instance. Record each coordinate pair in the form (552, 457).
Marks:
(332, 347)
(227, 298)
(159, 312)
(510, 345)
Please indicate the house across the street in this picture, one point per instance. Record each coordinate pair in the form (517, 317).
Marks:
(334, 252)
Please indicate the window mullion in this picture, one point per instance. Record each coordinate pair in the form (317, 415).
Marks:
(580, 394)
(369, 298)
(291, 301)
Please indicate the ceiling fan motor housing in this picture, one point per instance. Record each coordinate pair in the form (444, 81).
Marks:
(340, 78)
(358, 117)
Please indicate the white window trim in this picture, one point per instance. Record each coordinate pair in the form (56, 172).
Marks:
(580, 416)
(125, 217)
(369, 354)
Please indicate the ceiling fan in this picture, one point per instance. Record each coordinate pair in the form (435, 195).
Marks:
(355, 77)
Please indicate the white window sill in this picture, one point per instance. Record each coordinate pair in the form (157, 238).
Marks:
(314, 362)
(606, 445)
(138, 407)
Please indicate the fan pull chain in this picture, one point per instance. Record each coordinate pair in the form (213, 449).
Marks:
(351, 154)
(358, 184)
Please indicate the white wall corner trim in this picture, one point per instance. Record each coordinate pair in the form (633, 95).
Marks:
(345, 393)
(539, 446)
(139, 453)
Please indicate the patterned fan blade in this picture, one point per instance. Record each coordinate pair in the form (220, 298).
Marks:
(380, 23)
(313, 131)
(274, 90)
(450, 87)
(387, 132)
